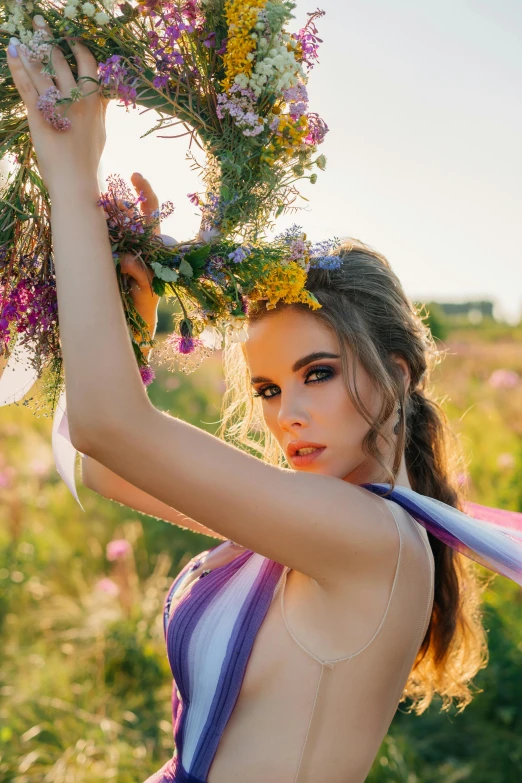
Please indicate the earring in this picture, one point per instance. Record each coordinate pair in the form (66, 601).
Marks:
(396, 428)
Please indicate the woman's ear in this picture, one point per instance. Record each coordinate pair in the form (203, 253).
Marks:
(405, 370)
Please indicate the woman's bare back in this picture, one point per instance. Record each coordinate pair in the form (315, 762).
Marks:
(327, 668)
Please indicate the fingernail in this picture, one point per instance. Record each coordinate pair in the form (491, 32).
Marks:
(39, 20)
(14, 43)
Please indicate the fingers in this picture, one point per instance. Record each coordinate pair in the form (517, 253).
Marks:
(22, 80)
(41, 81)
(152, 203)
(87, 65)
(140, 274)
(140, 183)
(64, 78)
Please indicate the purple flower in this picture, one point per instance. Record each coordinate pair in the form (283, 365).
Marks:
(183, 343)
(239, 254)
(327, 262)
(317, 129)
(194, 199)
(160, 82)
(117, 79)
(223, 49)
(118, 549)
(309, 40)
(297, 99)
(147, 375)
(210, 40)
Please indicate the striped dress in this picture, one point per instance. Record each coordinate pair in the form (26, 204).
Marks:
(211, 623)
(209, 638)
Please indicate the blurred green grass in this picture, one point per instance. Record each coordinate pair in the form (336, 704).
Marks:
(85, 685)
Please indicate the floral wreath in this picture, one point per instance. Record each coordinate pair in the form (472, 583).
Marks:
(228, 73)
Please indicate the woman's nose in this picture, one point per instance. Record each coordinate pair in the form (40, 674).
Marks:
(292, 413)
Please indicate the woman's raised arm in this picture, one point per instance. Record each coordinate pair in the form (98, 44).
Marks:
(315, 524)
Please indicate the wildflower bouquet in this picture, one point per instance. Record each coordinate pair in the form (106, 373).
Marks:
(234, 79)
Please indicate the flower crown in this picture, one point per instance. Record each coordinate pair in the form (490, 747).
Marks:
(228, 73)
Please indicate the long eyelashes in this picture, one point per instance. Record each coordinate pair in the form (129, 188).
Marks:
(328, 371)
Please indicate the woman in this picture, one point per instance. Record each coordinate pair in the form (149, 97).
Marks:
(326, 604)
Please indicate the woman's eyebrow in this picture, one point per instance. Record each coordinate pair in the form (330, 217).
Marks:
(300, 363)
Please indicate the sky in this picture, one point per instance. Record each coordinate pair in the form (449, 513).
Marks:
(424, 105)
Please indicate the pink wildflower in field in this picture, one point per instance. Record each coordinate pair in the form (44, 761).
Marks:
(117, 549)
(506, 460)
(6, 476)
(463, 479)
(504, 379)
(107, 585)
(39, 467)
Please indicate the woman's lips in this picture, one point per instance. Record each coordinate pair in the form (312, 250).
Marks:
(301, 460)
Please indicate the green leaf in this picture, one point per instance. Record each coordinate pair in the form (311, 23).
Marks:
(158, 286)
(114, 247)
(200, 254)
(185, 268)
(225, 193)
(164, 273)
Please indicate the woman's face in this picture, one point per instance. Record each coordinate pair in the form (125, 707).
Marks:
(295, 366)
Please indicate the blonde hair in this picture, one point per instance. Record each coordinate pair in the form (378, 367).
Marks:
(364, 305)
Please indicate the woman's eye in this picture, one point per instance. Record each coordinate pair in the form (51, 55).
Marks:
(261, 393)
(326, 372)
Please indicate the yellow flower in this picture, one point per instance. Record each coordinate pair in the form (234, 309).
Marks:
(290, 138)
(241, 16)
(285, 283)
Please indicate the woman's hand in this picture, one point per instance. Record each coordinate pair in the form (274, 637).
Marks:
(63, 156)
(143, 297)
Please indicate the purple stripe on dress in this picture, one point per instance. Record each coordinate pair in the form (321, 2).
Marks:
(207, 652)
(489, 543)
(253, 611)
(183, 623)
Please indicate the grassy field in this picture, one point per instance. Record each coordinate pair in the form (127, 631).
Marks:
(84, 680)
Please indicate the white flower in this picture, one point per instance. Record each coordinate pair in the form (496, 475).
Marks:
(70, 12)
(237, 330)
(101, 18)
(89, 9)
(207, 235)
(211, 337)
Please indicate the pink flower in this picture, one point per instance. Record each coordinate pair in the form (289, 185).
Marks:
(463, 479)
(117, 549)
(39, 466)
(506, 460)
(6, 476)
(504, 379)
(106, 585)
(46, 104)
